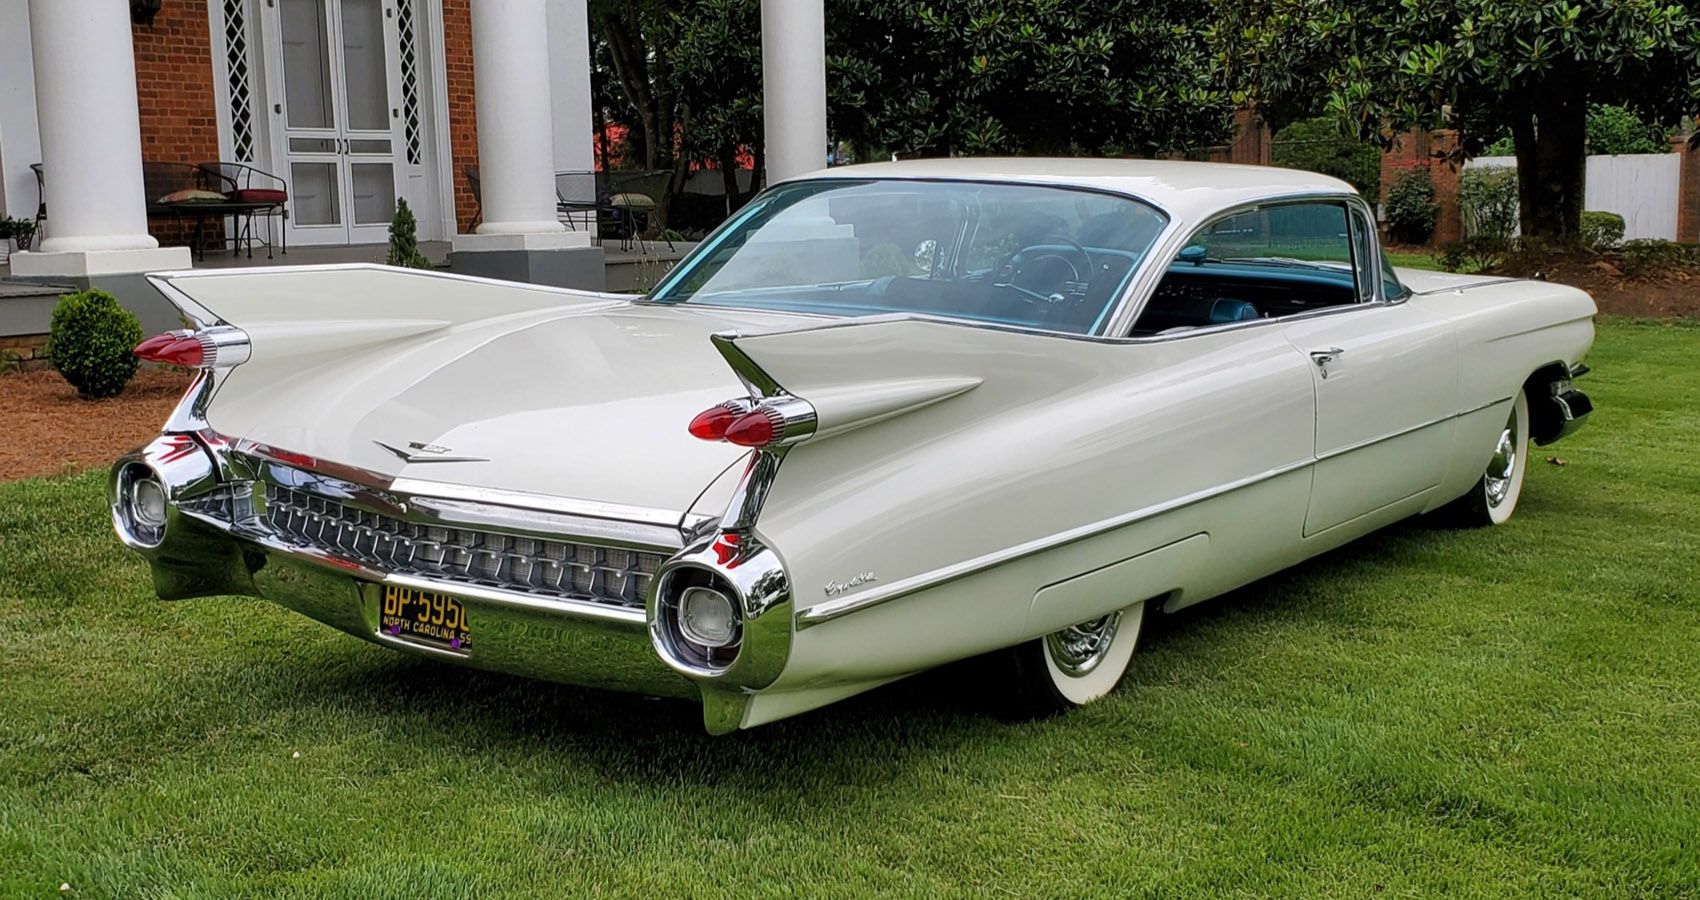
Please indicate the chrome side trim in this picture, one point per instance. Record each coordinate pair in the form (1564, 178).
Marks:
(831, 609)
(1439, 420)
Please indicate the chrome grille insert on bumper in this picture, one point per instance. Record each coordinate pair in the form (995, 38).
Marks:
(548, 568)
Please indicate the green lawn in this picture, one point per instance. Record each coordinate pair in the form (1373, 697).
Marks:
(1412, 260)
(1506, 712)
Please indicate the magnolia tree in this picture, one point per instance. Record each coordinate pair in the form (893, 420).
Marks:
(1108, 77)
(1532, 65)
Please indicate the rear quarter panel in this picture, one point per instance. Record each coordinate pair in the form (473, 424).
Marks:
(1507, 330)
(1058, 435)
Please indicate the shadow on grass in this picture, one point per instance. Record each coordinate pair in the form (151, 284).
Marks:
(625, 735)
(552, 733)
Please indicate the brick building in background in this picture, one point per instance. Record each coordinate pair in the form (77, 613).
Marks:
(352, 103)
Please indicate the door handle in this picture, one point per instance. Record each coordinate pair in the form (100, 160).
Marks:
(1323, 357)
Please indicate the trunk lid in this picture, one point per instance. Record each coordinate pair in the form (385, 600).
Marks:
(588, 402)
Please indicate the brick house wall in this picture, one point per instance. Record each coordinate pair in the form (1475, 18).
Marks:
(174, 91)
(1428, 150)
(463, 109)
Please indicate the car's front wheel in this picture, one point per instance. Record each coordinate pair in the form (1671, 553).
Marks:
(1494, 496)
(1077, 665)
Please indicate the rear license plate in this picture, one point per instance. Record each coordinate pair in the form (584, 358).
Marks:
(425, 617)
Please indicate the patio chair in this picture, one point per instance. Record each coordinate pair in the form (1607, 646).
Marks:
(578, 201)
(179, 192)
(252, 192)
(634, 197)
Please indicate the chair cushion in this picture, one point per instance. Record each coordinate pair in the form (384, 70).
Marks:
(192, 195)
(260, 195)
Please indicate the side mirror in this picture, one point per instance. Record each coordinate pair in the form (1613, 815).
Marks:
(1195, 254)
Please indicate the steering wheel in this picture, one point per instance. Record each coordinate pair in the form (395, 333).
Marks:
(1021, 262)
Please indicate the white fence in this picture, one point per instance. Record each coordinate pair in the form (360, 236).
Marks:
(1641, 187)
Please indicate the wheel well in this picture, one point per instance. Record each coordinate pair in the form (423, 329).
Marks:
(1545, 421)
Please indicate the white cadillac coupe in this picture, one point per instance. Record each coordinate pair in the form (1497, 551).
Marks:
(886, 417)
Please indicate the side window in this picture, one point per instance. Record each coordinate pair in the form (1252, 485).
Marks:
(1272, 261)
(1363, 255)
(1391, 287)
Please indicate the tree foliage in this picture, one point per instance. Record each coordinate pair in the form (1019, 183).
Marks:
(1108, 77)
(1534, 65)
(1320, 145)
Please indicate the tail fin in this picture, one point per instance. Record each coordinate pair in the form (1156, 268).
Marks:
(336, 308)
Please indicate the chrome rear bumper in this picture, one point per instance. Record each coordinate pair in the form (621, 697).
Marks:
(572, 643)
(214, 541)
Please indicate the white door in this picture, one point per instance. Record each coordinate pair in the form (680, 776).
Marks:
(341, 131)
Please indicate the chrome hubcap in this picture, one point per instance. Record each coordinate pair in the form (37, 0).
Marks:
(1503, 465)
(1078, 649)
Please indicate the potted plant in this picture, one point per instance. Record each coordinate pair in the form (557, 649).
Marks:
(23, 232)
(20, 230)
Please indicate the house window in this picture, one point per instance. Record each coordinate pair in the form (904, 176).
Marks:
(409, 77)
(236, 70)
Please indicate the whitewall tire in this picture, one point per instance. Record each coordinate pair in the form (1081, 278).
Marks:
(1076, 665)
(1493, 498)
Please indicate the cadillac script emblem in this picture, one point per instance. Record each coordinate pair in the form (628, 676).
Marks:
(834, 588)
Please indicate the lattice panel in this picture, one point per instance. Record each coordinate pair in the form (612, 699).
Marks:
(237, 70)
(409, 78)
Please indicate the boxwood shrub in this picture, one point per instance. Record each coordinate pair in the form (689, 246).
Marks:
(90, 343)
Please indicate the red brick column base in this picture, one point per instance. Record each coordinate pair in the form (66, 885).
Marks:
(1688, 191)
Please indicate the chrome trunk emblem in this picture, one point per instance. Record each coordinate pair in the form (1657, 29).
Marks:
(417, 452)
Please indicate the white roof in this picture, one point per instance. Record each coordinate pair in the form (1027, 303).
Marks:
(1189, 190)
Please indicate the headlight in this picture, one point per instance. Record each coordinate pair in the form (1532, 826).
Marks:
(707, 617)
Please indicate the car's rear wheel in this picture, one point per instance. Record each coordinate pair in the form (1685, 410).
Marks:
(1076, 665)
(1493, 498)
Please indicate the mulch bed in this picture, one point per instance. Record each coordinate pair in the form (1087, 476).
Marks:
(50, 431)
(1668, 294)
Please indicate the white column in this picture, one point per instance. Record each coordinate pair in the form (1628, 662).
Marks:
(793, 68)
(516, 140)
(91, 144)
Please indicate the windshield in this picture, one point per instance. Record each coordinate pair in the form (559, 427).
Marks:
(1040, 257)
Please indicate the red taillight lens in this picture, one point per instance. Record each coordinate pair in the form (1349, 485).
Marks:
(711, 423)
(173, 348)
(753, 429)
